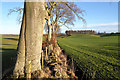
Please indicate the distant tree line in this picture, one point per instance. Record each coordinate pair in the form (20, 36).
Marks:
(70, 32)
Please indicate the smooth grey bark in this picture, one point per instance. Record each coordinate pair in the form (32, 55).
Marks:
(35, 22)
(20, 63)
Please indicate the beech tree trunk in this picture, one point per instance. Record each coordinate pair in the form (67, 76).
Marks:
(30, 40)
(35, 22)
(20, 63)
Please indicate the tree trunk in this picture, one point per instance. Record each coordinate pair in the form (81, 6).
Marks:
(49, 30)
(53, 31)
(35, 22)
(20, 63)
(30, 40)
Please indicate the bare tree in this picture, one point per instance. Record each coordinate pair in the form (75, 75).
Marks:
(49, 8)
(64, 15)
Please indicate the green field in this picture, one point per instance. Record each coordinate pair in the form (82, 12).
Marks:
(92, 53)
(96, 55)
(8, 49)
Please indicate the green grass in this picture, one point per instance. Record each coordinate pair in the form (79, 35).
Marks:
(8, 49)
(94, 53)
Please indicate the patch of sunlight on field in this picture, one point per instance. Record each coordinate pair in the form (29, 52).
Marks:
(95, 35)
(8, 49)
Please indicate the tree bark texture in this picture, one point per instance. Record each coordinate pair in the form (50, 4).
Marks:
(35, 22)
(30, 39)
(20, 63)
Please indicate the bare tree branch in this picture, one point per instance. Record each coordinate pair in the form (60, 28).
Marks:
(76, 13)
(16, 10)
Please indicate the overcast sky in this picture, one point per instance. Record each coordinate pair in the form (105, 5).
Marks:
(100, 16)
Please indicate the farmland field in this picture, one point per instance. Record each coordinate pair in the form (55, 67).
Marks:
(96, 55)
(8, 49)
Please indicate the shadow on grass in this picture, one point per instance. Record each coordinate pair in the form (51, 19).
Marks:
(6, 44)
(5, 49)
(12, 39)
(8, 58)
